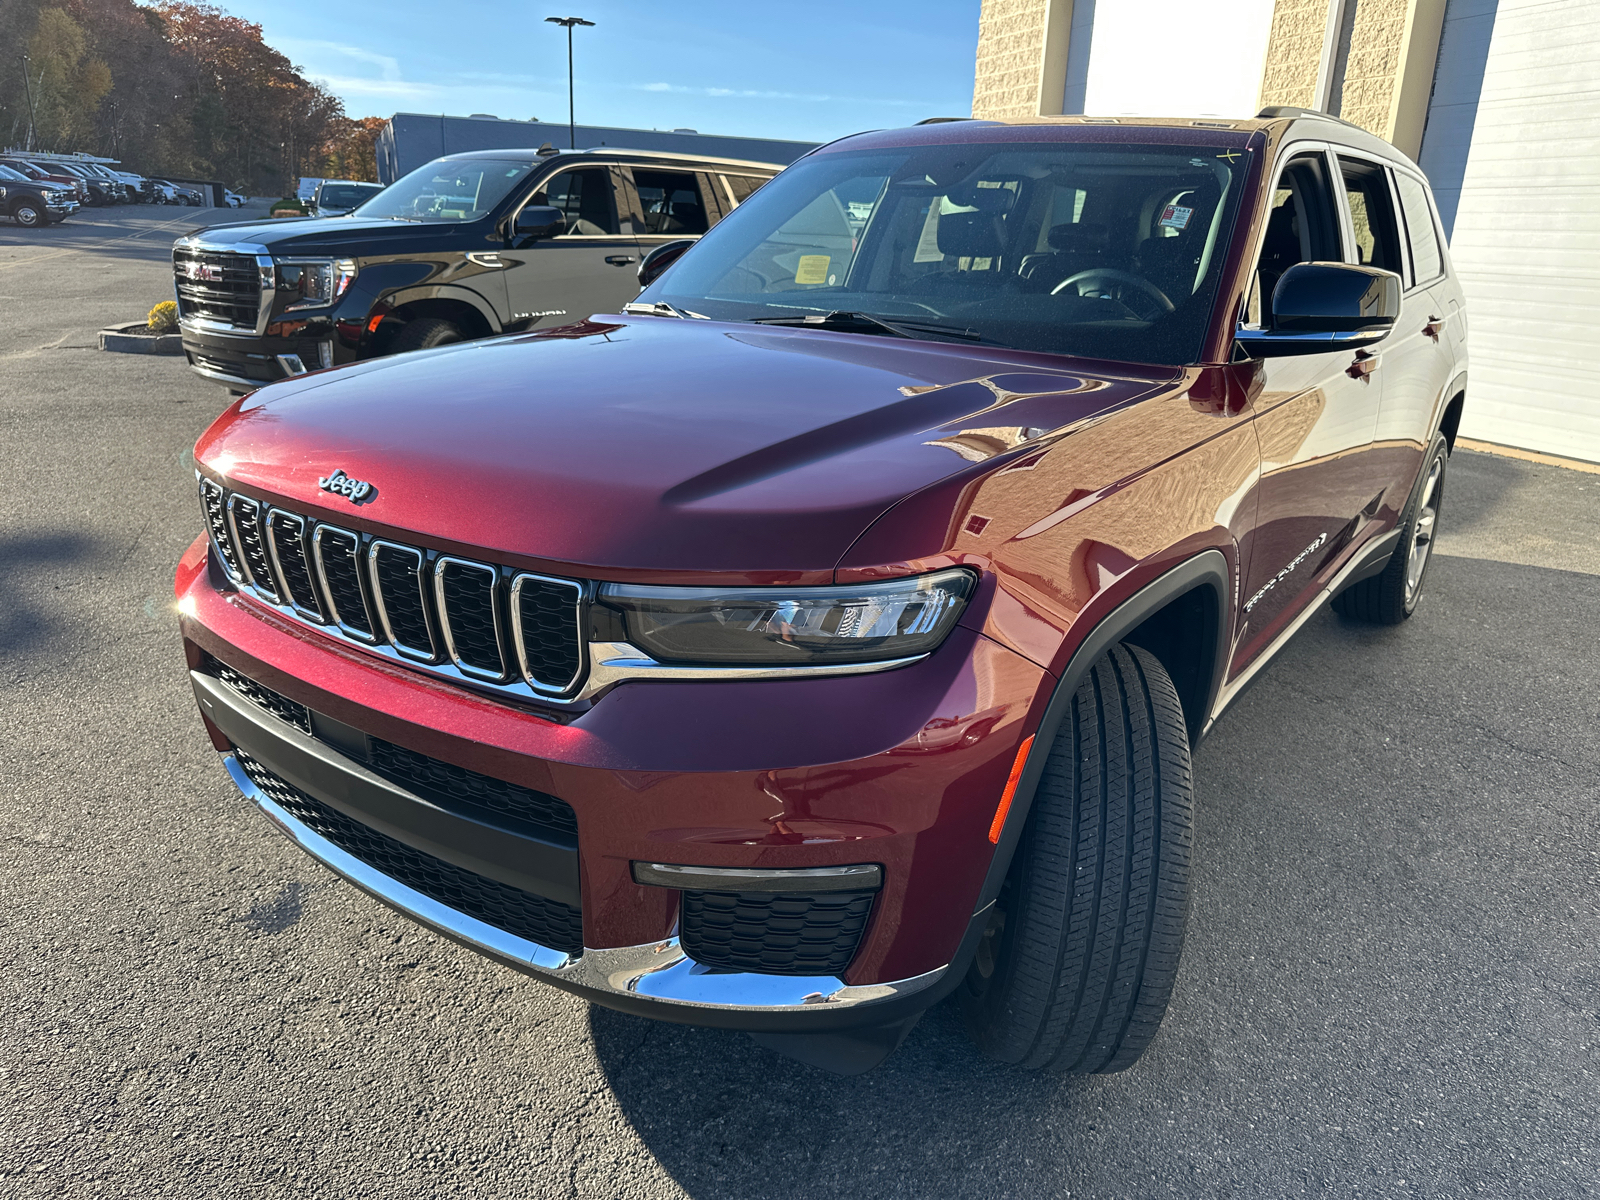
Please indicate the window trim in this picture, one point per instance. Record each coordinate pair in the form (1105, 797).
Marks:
(1287, 153)
(1433, 216)
(568, 239)
(1406, 273)
(697, 171)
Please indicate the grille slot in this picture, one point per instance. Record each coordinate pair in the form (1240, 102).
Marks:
(278, 705)
(470, 616)
(215, 506)
(231, 292)
(799, 934)
(536, 918)
(286, 536)
(338, 555)
(244, 516)
(400, 586)
(544, 620)
(452, 786)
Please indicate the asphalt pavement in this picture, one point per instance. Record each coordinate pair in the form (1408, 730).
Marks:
(1390, 986)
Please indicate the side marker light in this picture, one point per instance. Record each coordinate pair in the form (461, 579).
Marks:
(1011, 790)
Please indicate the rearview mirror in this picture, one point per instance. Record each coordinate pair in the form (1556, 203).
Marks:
(659, 259)
(541, 221)
(1322, 307)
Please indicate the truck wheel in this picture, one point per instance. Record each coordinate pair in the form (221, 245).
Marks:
(1391, 597)
(28, 214)
(423, 333)
(1078, 963)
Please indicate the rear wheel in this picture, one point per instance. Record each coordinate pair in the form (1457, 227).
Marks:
(1078, 963)
(28, 214)
(424, 333)
(1391, 597)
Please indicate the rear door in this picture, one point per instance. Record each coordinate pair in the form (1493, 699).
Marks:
(669, 204)
(590, 268)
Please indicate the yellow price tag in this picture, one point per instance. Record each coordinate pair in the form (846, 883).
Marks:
(813, 269)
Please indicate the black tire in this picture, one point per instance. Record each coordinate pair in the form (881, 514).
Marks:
(424, 333)
(1391, 597)
(1078, 964)
(29, 214)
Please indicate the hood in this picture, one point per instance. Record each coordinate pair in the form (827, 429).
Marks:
(655, 448)
(307, 234)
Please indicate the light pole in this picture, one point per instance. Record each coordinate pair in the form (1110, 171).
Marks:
(572, 123)
(29, 88)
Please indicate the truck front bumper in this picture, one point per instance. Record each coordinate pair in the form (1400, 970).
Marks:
(289, 349)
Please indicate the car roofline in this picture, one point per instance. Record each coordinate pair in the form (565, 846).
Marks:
(617, 151)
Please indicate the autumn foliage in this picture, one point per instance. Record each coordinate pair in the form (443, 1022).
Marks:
(173, 89)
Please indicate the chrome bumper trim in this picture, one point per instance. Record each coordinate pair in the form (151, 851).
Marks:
(658, 972)
(857, 877)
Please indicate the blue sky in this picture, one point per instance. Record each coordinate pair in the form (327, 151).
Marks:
(808, 71)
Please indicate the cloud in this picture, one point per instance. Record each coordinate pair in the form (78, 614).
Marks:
(388, 68)
(756, 94)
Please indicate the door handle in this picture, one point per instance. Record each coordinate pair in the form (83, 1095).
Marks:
(1365, 364)
(1433, 328)
(620, 260)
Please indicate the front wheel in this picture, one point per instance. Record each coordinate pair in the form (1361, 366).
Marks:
(28, 214)
(424, 333)
(1078, 963)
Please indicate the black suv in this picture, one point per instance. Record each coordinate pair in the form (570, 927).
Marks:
(471, 245)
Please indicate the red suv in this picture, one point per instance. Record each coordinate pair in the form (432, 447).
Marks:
(827, 633)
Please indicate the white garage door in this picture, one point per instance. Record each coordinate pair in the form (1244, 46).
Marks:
(1526, 240)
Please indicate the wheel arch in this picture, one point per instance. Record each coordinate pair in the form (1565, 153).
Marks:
(1452, 400)
(1181, 618)
(461, 306)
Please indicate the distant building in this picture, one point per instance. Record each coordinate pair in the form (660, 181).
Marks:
(412, 140)
(1494, 99)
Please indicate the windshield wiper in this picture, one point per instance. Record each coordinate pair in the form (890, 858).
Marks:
(662, 309)
(866, 322)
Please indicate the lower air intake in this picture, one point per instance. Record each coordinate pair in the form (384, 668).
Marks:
(774, 934)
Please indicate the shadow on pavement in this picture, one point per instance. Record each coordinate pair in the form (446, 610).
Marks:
(27, 626)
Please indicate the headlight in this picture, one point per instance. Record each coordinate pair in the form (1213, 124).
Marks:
(314, 282)
(800, 626)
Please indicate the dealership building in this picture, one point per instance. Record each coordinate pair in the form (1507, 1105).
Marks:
(1497, 100)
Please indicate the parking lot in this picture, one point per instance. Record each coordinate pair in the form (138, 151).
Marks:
(1391, 985)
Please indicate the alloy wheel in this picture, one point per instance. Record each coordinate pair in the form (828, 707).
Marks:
(1422, 530)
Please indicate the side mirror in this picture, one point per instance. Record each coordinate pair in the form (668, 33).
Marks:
(1318, 308)
(539, 221)
(659, 259)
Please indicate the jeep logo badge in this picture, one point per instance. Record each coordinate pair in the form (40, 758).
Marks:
(341, 484)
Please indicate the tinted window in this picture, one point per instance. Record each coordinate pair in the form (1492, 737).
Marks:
(1426, 256)
(1302, 227)
(671, 202)
(344, 195)
(1372, 213)
(448, 190)
(1067, 247)
(743, 185)
(584, 196)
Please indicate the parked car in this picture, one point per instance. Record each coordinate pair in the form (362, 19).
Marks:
(233, 198)
(335, 197)
(115, 188)
(491, 242)
(39, 173)
(173, 193)
(827, 633)
(34, 202)
(98, 190)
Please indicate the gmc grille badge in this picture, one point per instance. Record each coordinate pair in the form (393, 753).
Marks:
(340, 484)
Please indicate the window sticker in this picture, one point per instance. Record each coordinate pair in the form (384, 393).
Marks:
(813, 268)
(1175, 217)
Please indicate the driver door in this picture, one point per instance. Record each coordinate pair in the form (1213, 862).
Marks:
(589, 269)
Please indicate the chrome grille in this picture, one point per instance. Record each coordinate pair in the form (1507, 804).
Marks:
(516, 633)
(229, 292)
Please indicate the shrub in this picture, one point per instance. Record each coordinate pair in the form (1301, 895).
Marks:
(289, 204)
(164, 317)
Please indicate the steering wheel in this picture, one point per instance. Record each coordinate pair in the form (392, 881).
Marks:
(1111, 275)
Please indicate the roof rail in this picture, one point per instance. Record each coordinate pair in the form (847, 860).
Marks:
(1280, 111)
(678, 156)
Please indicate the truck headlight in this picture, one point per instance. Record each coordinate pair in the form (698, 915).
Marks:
(313, 282)
(763, 626)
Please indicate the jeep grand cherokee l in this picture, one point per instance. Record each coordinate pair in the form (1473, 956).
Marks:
(470, 245)
(827, 634)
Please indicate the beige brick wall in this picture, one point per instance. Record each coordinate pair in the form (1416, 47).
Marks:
(1294, 52)
(1011, 47)
(1372, 70)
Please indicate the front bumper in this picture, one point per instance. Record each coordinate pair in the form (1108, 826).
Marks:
(907, 767)
(250, 362)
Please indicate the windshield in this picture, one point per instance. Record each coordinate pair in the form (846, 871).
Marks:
(7, 173)
(447, 190)
(345, 195)
(1104, 251)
